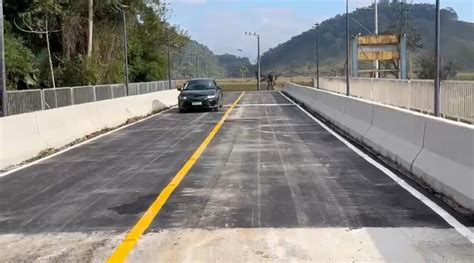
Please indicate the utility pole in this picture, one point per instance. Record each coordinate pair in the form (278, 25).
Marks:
(197, 65)
(91, 28)
(317, 54)
(348, 89)
(258, 57)
(169, 59)
(258, 60)
(2, 65)
(438, 62)
(125, 49)
(376, 64)
(168, 50)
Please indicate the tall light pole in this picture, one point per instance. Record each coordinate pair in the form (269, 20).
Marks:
(317, 54)
(169, 58)
(197, 65)
(258, 56)
(438, 62)
(348, 89)
(376, 64)
(125, 49)
(168, 40)
(2, 65)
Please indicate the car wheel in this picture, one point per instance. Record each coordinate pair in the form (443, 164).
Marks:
(181, 110)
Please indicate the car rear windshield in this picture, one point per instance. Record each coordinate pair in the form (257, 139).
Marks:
(199, 85)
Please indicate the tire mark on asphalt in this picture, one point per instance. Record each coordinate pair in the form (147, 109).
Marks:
(294, 189)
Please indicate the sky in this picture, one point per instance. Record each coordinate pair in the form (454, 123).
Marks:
(221, 24)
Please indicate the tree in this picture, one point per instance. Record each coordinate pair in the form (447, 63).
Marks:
(42, 18)
(91, 27)
(427, 65)
(20, 71)
(81, 42)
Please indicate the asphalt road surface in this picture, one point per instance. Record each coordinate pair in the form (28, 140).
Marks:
(273, 185)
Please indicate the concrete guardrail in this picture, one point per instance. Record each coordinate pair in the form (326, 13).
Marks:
(439, 151)
(24, 136)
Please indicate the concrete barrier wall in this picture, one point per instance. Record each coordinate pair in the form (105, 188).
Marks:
(397, 134)
(61, 126)
(20, 139)
(439, 151)
(112, 113)
(446, 161)
(24, 136)
(357, 118)
(331, 107)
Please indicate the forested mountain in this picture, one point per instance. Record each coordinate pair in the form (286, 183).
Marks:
(196, 60)
(79, 56)
(235, 67)
(417, 20)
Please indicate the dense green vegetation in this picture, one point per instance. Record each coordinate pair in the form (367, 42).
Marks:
(298, 55)
(235, 67)
(46, 38)
(196, 60)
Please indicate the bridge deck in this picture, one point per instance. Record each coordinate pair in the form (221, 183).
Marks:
(270, 169)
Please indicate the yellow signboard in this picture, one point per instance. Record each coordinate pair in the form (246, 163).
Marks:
(379, 40)
(380, 55)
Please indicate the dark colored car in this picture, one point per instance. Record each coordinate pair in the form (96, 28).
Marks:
(200, 94)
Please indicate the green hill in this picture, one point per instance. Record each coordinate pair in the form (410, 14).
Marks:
(197, 60)
(234, 66)
(298, 54)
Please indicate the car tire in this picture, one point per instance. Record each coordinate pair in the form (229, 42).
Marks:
(181, 110)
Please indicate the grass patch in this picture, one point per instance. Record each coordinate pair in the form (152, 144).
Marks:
(250, 84)
(465, 76)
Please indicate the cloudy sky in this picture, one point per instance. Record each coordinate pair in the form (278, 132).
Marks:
(220, 24)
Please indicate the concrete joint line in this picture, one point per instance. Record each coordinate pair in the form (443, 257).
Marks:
(371, 123)
(421, 149)
(39, 133)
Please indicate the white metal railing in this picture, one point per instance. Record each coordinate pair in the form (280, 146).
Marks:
(457, 97)
(23, 101)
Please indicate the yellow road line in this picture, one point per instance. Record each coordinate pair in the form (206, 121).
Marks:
(131, 240)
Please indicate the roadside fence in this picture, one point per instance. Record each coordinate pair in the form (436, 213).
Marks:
(457, 97)
(23, 101)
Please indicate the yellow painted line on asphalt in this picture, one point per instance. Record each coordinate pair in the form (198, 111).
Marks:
(131, 240)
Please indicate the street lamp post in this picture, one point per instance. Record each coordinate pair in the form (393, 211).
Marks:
(2, 65)
(348, 90)
(258, 57)
(437, 58)
(317, 54)
(376, 20)
(168, 40)
(169, 59)
(125, 49)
